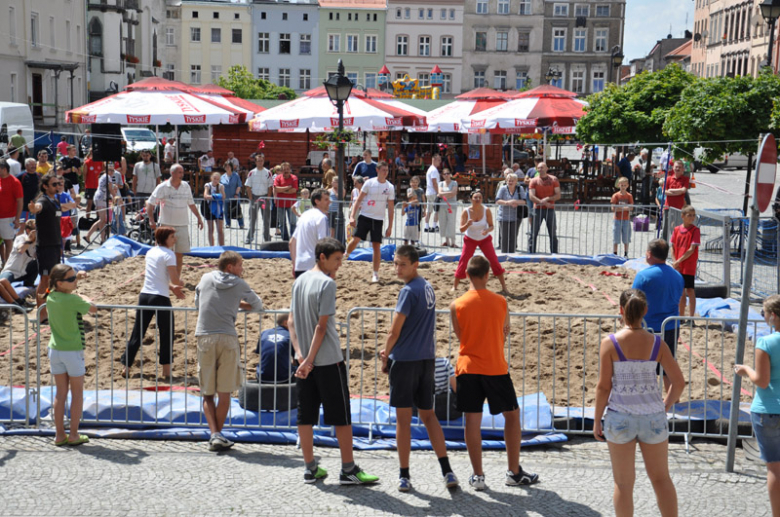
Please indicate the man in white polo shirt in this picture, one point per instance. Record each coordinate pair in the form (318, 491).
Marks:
(432, 179)
(312, 226)
(258, 183)
(146, 177)
(376, 196)
(174, 197)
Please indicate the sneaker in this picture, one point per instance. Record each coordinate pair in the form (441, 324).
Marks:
(357, 477)
(248, 241)
(450, 480)
(427, 230)
(310, 477)
(219, 443)
(477, 482)
(404, 485)
(521, 478)
(375, 278)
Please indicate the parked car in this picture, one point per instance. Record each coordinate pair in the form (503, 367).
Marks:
(13, 117)
(138, 139)
(728, 161)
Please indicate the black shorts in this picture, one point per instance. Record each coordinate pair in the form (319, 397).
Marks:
(332, 219)
(326, 386)
(689, 281)
(48, 257)
(90, 193)
(670, 338)
(412, 384)
(366, 225)
(473, 389)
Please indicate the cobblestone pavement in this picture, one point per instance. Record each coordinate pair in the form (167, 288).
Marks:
(128, 477)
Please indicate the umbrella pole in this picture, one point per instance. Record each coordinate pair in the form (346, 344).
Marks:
(157, 143)
(176, 143)
(484, 169)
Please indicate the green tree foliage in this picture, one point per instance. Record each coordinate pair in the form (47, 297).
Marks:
(635, 112)
(724, 108)
(241, 82)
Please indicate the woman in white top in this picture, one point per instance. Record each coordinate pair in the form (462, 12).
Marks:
(448, 210)
(160, 279)
(213, 208)
(107, 189)
(477, 223)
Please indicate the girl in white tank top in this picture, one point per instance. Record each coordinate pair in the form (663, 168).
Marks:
(475, 231)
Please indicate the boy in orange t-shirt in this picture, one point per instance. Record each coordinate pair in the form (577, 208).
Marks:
(622, 204)
(480, 320)
(686, 240)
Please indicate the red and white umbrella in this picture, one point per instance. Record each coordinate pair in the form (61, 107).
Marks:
(448, 118)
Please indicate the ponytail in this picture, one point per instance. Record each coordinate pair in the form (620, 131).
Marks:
(634, 304)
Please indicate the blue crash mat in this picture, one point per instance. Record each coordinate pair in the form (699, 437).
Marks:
(696, 410)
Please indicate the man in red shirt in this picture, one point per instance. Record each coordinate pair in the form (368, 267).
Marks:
(11, 199)
(93, 169)
(285, 195)
(676, 188)
(544, 190)
(686, 240)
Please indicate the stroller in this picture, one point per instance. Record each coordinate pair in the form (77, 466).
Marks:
(141, 231)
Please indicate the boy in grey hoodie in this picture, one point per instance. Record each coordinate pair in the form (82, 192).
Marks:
(218, 297)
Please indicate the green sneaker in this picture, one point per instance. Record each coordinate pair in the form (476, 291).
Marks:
(311, 477)
(357, 477)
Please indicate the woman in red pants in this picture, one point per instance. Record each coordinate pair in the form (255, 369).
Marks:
(476, 222)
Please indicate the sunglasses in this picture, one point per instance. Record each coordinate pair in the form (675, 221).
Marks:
(70, 279)
(56, 183)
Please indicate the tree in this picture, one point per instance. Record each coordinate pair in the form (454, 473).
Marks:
(244, 85)
(635, 112)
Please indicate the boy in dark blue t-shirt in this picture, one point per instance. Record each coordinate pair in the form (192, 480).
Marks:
(276, 354)
(409, 358)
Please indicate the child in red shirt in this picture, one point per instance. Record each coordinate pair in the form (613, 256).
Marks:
(622, 204)
(686, 239)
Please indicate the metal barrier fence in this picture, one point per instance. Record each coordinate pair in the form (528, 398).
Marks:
(15, 353)
(766, 269)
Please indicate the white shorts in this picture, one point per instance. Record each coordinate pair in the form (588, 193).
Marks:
(7, 230)
(70, 362)
(182, 239)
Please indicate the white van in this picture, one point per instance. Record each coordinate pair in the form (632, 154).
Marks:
(15, 116)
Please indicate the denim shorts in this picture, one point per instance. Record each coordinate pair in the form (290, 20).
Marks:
(621, 231)
(767, 429)
(70, 362)
(622, 428)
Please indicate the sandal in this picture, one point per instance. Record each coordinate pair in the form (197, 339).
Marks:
(83, 438)
(62, 442)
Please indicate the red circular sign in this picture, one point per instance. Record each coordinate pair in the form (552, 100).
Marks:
(765, 173)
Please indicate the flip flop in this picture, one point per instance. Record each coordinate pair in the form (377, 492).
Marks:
(83, 438)
(62, 442)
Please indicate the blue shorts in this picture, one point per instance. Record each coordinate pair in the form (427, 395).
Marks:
(767, 429)
(621, 232)
(622, 428)
(70, 362)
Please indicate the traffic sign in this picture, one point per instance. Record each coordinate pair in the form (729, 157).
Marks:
(767, 168)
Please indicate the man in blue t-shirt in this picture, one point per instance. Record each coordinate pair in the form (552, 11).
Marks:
(409, 357)
(276, 354)
(663, 287)
(624, 166)
(366, 168)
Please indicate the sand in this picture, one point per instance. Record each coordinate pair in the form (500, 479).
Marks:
(549, 351)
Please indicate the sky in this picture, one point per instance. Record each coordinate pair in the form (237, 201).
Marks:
(647, 21)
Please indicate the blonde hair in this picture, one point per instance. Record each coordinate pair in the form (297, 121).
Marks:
(772, 304)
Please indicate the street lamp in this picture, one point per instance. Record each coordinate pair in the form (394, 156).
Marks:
(339, 87)
(553, 74)
(616, 60)
(770, 10)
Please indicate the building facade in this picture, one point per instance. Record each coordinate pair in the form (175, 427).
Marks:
(502, 43)
(423, 34)
(123, 43)
(43, 56)
(285, 40)
(579, 41)
(170, 43)
(353, 31)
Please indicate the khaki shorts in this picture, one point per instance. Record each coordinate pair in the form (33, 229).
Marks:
(182, 239)
(219, 369)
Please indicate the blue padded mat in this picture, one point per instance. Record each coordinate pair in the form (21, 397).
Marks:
(695, 410)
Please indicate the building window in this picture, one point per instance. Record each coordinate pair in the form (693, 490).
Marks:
(407, 13)
(263, 42)
(352, 76)
(352, 42)
(424, 79)
(398, 13)
(195, 34)
(306, 17)
(334, 42)
(237, 36)
(479, 79)
(195, 74)
(264, 73)
(12, 24)
(579, 40)
(236, 16)
(425, 46)
(194, 14)
(284, 43)
(443, 14)
(402, 46)
(349, 16)
(602, 11)
(52, 33)
(95, 37)
(481, 44)
(430, 14)
(170, 37)
(452, 14)
(399, 75)
(216, 35)
(216, 73)
(446, 83)
(523, 41)
(525, 7)
(34, 28)
(503, 6)
(559, 40)
(581, 10)
(13, 88)
(578, 81)
(305, 80)
(262, 15)
(521, 80)
(561, 10)
(446, 46)
(499, 79)
(371, 44)
(600, 45)
(370, 80)
(284, 77)
(421, 14)
(67, 36)
(559, 81)
(305, 44)
(284, 16)
(482, 7)
(215, 15)
(502, 41)
(170, 72)
(598, 81)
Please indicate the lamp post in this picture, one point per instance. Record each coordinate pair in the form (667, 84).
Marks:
(339, 88)
(616, 59)
(770, 11)
(553, 74)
